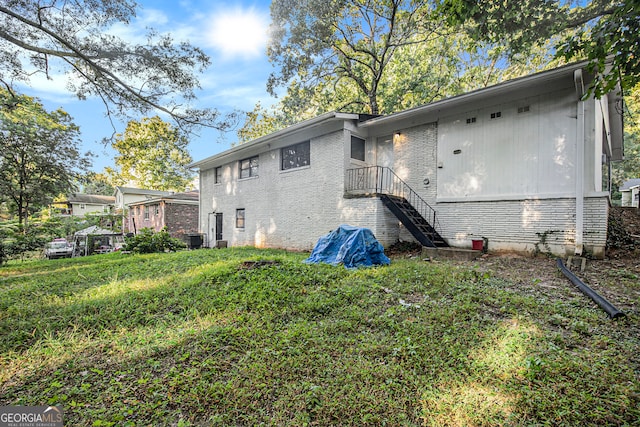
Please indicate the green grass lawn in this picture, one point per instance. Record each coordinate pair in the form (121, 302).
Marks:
(207, 337)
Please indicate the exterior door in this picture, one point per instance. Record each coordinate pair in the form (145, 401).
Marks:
(218, 226)
(385, 151)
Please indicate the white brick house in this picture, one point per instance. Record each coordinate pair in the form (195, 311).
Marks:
(524, 164)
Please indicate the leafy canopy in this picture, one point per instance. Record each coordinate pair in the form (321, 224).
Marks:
(152, 154)
(73, 36)
(352, 40)
(39, 153)
(601, 31)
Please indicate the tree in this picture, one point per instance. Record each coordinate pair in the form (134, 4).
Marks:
(601, 31)
(417, 74)
(318, 41)
(97, 183)
(39, 153)
(153, 155)
(629, 168)
(47, 36)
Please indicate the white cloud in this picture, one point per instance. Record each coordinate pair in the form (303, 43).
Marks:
(239, 33)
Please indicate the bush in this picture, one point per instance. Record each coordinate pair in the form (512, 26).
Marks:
(147, 241)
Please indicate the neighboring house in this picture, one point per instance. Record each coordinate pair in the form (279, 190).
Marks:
(524, 164)
(630, 191)
(124, 196)
(79, 204)
(178, 212)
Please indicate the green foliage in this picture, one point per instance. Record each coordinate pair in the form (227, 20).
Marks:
(320, 42)
(39, 153)
(603, 32)
(147, 241)
(200, 338)
(153, 155)
(610, 45)
(400, 56)
(20, 242)
(629, 168)
(97, 183)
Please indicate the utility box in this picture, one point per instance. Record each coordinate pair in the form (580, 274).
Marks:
(194, 241)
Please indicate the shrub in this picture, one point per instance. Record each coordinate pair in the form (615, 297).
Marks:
(147, 241)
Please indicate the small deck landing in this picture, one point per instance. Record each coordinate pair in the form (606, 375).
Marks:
(456, 254)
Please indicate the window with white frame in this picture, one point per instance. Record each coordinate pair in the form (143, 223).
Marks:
(218, 172)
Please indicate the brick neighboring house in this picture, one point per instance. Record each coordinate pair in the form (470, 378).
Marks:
(178, 212)
(125, 196)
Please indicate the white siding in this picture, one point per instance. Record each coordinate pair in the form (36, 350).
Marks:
(518, 154)
(511, 223)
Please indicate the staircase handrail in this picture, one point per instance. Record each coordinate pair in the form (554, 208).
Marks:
(383, 180)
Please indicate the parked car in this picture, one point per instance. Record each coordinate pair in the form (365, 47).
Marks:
(58, 248)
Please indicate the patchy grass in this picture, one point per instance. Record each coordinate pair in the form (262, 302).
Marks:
(257, 337)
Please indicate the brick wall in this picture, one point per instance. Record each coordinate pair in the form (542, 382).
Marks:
(284, 209)
(181, 219)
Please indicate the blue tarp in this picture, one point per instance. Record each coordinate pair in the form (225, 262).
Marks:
(352, 246)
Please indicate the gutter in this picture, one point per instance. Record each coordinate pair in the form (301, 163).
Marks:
(298, 127)
(580, 123)
(504, 87)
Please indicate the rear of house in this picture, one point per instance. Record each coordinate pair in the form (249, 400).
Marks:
(524, 165)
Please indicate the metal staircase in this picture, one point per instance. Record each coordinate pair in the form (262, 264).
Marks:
(413, 212)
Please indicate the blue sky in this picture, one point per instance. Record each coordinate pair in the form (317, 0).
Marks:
(233, 34)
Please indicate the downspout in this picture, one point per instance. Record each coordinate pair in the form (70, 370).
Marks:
(579, 83)
(609, 308)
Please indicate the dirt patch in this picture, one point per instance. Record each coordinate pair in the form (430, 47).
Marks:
(250, 265)
(616, 278)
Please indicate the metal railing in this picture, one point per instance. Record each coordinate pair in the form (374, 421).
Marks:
(377, 180)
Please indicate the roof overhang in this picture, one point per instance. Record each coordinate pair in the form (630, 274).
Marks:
(251, 147)
(545, 79)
